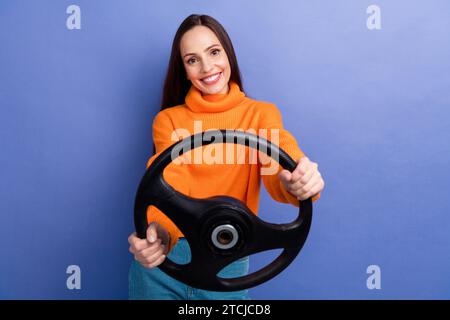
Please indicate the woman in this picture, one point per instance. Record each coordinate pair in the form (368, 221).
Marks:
(203, 87)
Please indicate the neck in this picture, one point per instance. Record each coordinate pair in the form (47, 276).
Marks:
(217, 102)
(225, 90)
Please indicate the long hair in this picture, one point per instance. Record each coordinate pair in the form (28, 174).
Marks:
(176, 84)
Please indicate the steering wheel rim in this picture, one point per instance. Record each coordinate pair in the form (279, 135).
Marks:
(197, 218)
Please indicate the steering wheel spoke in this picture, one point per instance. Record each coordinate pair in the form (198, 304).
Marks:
(278, 236)
(185, 212)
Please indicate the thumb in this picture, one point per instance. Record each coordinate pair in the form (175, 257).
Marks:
(151, 232)
(285, 175)
(163, 234)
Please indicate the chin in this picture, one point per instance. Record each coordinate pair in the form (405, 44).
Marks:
(211, 90)
(214, 91)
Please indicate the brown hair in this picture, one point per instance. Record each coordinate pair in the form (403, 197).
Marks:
(176, 84)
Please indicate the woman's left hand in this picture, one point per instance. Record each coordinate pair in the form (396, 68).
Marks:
(305, 181)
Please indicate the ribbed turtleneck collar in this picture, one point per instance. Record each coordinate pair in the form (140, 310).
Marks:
(214, 102)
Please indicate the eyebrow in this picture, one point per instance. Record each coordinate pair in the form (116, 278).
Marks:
(187, 54)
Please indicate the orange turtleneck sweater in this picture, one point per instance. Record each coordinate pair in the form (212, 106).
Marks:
(206, 178)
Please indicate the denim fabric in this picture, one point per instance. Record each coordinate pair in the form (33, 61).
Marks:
(153, 284)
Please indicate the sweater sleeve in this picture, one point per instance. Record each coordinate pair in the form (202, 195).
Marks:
(272, 121)
(175, 174)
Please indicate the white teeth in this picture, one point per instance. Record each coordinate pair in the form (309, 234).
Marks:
(212, 78)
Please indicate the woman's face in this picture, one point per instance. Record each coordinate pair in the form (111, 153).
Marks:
(205, 60)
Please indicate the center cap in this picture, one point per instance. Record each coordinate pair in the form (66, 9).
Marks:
(225, 236)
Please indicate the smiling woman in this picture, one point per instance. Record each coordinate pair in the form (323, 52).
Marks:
(203, 85)
(208, 69)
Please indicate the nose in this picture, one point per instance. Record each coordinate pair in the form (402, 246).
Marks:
(206, 66)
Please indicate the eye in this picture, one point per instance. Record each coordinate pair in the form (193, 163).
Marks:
(215, 52)
(191, 61)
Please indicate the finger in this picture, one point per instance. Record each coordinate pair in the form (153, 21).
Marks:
(316, 189)
(285, 176)
(148, 252)
(302, 181)
(139, 244)
(151, 232)
(301, 168)
(131, 240)
(153, 257)
(151, 247)
(158, 261)
(308, 186)
(313, 190)
(163, 235)
(131, 237)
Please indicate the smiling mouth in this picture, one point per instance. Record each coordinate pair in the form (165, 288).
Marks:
(212, 79)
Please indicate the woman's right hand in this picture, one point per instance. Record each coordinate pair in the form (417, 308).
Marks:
(152, 251)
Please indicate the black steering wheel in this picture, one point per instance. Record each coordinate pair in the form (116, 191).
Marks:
(220, 229)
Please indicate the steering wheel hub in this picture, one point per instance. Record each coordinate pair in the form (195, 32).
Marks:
(224, 236)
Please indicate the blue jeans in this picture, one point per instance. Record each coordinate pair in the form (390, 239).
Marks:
(153, 284)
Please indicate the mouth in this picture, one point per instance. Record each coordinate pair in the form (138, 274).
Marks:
(212, 79)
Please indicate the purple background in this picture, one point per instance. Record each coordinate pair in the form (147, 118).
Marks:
(372, 107)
